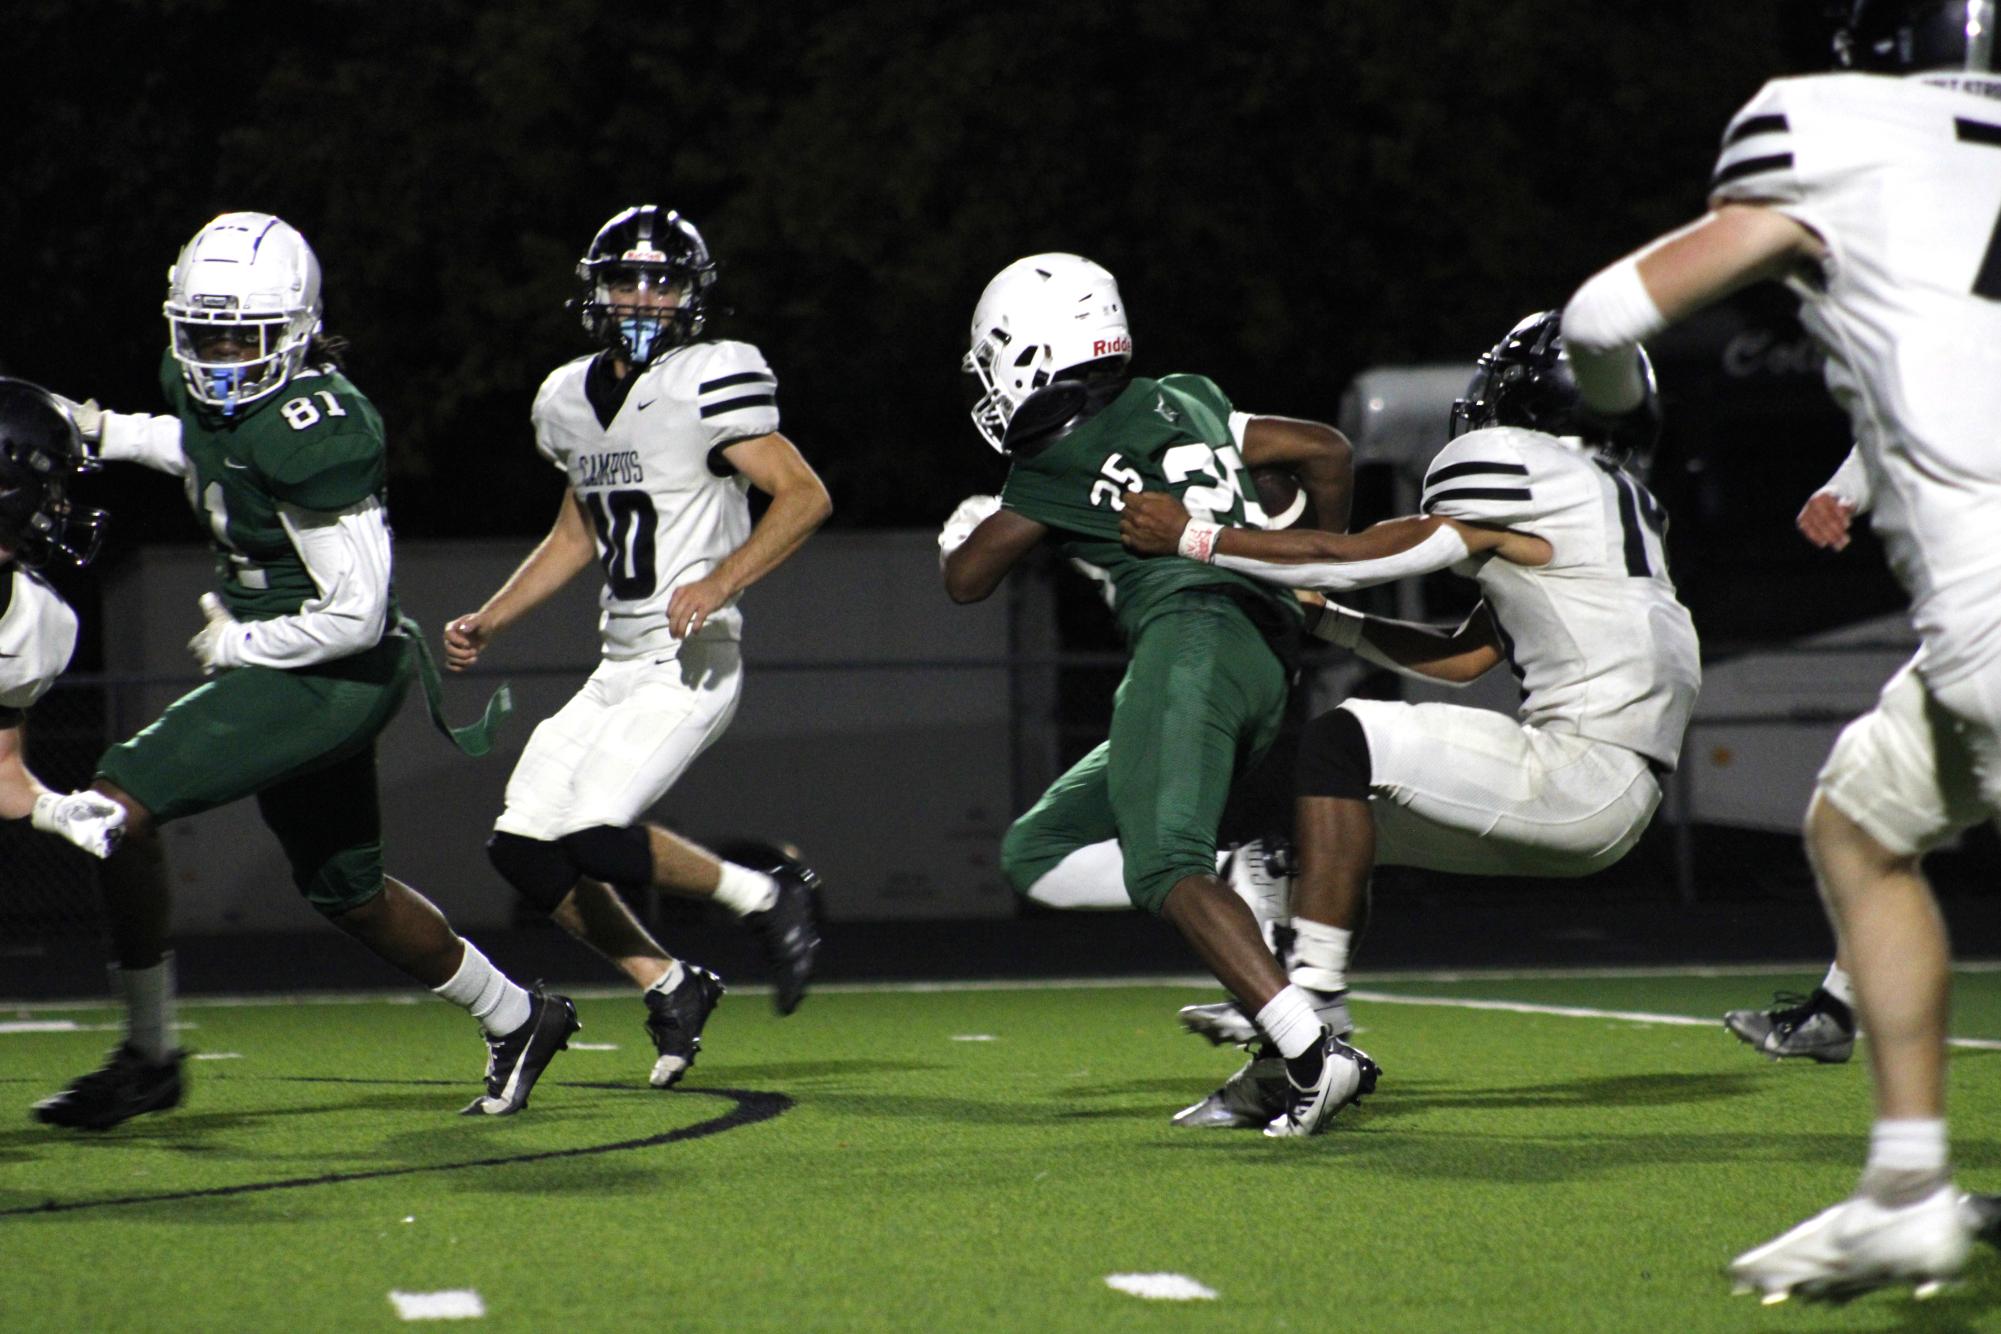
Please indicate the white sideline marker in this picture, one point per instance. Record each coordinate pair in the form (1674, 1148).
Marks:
(1162, 1287)
(451, 1304)
(593, 1046)
(974, 1037)
(40, 1026)
(218, 1056)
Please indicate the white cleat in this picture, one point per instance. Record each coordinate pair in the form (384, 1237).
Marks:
(1859, 1245)
(1346, 1076)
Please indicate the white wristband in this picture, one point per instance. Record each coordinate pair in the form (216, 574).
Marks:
(1198, 540)
(1339, 625)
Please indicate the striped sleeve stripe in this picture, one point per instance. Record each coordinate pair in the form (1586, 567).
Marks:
(739, 404)
(1976, 131)
(1473, 466)
(1751, 125)
(1432, 502)
(1751, 166)
(731, 381)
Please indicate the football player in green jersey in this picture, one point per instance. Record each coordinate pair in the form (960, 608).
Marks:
(283, 460)
(1206, 687)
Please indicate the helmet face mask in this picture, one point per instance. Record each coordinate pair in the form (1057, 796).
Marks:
(243, 305)
(39, 452)
(647, 276)
(1911, 36)
(1042, 318)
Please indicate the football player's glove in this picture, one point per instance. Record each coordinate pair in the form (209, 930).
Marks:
(215, 646)
(93, 822)
(972, 512)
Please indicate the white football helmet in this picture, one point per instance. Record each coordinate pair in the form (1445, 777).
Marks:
(243, 304)
(1039, 317)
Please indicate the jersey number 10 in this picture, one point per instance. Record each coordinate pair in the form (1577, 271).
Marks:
(625, 521)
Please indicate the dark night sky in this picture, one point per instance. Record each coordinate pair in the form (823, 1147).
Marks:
(1288, 193)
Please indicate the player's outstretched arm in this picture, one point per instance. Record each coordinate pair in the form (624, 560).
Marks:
(975, 567)
(799, 504)
(1154, 523)
(1453, 657)
(1315, 453)
(1729, 248)
(555, 561)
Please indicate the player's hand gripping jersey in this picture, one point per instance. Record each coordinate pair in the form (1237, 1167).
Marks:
(292, 491)
(1596, 637)
(666, 504)
(1901, 179)
(1173, 435)
(37, 636)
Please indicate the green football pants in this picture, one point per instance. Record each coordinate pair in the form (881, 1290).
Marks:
(302, 742)
(1204, 693)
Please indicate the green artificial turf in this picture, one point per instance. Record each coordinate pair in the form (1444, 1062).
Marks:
(959, 1159)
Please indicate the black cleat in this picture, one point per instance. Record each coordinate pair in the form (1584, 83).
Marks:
(790, 930)
(129, 1085)
(1816, 1026)
(674, 1021)
(514, 1061)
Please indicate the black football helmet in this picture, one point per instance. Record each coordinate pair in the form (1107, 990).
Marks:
(1525, 380)
(1907, 36)
(39, 452)
(644, 251)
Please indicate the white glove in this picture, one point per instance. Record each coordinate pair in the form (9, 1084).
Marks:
(89, 419)
(972, 512)
(92, 822)
(217, 646)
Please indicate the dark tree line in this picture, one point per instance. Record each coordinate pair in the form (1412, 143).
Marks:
(1288, 192)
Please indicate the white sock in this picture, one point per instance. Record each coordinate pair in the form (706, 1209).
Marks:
(1837, 985)
(1093, 876)
(743, 890)
(669, 979)
(1320, 955)
(1907, 1146)
(149, 1007)
(485, 993)
(1290, 1021)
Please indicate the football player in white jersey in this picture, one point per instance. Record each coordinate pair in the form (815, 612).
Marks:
(659, 436)
(1566, 547)
(39, 452)
(1875, 194)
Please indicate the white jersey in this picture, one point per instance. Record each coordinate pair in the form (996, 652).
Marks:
(1901, 178)
(666, 505)
(1597, 638)
(37, 636)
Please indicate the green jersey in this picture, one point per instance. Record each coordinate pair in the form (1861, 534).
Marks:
(1172, 435)
(315, 444)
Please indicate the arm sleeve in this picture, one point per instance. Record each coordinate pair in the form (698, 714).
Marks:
(347, 554)
(1441, 548)
(137, 437)
(1850, 483)
(736, 397)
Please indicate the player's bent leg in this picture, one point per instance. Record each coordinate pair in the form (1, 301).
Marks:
(540, 871)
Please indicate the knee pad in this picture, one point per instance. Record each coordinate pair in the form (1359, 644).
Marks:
(1334, 757)
(615, 855)
(540, 872)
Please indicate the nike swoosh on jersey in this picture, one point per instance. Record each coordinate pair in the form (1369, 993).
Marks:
(641, 407)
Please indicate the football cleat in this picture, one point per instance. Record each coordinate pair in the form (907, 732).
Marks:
(129, 1085)
(1816, 1026)
(514, 1061)
(1346, 1075)
(1859, 1245)
(1224, 1023)
(1983, 1215)
(1248, 1099)
(790, 930)
(674, 1021)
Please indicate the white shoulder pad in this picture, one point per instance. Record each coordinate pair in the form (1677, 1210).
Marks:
(560, 397)
(1759, 161)
(736, 393)
(1483, 477)
(37, 636)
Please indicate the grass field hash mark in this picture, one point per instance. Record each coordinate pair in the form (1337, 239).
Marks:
(751, 1107)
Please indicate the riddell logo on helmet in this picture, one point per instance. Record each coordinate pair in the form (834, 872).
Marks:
(1112, 347)
(645, 255)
